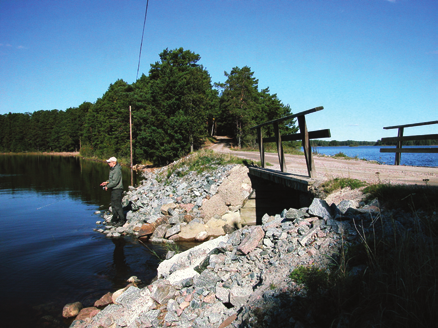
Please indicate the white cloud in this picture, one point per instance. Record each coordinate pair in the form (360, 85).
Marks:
(21, 47)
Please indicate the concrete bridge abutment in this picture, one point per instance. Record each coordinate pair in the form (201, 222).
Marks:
(273, 192)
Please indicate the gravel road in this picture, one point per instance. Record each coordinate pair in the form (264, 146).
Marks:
(329, 167)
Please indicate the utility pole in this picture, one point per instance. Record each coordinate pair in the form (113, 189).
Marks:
(130, 142)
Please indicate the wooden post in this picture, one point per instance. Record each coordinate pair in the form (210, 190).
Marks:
(399, 145)
(306, 146)
(261, 146)
(279, 148)
(130, 142)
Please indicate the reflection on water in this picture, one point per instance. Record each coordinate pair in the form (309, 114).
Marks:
(56, 174)
(49, 253)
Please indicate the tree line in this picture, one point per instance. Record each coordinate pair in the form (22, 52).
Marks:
(174, 108)
(353, 143)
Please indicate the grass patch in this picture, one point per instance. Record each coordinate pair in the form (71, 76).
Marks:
(340, 155)
(396, 285)
(341, 183)
(203, 161)
(389, 277)
(406, 197)
(168, 247)
(315, 279)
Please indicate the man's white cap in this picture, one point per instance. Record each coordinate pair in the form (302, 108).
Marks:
(112, 159)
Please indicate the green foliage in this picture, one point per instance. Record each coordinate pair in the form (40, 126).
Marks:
(406, 197)
(315, 279)
(179, 99)
(242, 106)
(340, 155)
(174, 108)
(394, 287)
(87, 151)
(341, 183)
(204, 160)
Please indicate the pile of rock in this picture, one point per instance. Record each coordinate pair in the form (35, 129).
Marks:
(184, 206)
(225, 281)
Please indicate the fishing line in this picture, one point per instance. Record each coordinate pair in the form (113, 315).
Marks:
(142, 35)
(49, 204)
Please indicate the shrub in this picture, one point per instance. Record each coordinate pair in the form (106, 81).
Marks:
(341, 183)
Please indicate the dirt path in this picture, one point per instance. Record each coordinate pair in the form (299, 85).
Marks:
(328, 167)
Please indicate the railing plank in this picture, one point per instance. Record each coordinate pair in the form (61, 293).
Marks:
(304, 135)
(280, 151)
(406, 138)
(261, 147)
(306, 146)
(409, 150)
(410, 125)
(297, 136)
(400, 138)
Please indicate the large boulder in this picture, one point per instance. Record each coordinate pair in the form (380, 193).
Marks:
(215, 227)
(236, 187)
(71, 310)
(233, 191)
(187, 261)
(233, 219)
(214, 206)
(252, 239)
(87, 313)
(191, 230)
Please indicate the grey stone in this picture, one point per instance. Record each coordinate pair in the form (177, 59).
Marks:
(344, 205)
(173, 230)
(266, 218)
(162, 291)
(239, 295)
(293, 214)
(174, 219)
(170, 317)
(267, 242)
(223, 294)
(206, 278)
(320, 209)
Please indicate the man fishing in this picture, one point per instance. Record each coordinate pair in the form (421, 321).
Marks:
(116, 185)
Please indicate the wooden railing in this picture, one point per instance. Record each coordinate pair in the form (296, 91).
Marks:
(304, 136)
(400, 138)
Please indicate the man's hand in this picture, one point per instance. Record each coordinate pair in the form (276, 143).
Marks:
(104, 183)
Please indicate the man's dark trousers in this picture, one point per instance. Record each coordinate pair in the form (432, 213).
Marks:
(116, 205)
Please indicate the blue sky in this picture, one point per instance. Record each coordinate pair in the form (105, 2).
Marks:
(370, 63)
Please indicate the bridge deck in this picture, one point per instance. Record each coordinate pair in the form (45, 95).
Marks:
(297, 182)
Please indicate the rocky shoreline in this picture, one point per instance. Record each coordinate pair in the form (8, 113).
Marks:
(221, 282)
(183, 205)
(241, 276)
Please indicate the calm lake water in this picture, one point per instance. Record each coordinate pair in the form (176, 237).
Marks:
(372, 153)
(49, 253)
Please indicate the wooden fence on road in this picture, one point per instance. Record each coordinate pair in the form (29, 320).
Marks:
(304, 136)
(400, 138)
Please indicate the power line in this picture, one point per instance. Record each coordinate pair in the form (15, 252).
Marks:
(142, 35)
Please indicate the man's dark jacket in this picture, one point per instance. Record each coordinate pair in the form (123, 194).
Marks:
(115, 177)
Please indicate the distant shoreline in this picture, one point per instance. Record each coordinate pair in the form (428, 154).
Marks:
(63, 153)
